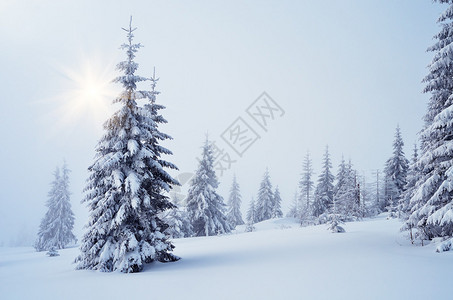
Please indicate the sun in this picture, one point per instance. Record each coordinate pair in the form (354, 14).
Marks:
(91, 89)
(85, 93)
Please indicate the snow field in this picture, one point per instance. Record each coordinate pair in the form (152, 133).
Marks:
(280, 260)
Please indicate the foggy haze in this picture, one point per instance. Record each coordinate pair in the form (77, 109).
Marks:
(344, 73)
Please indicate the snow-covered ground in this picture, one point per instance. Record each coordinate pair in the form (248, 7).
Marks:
(280, 260)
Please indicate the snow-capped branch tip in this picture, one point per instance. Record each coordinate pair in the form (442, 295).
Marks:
(129, 31)
(154, 80)
(154, 74)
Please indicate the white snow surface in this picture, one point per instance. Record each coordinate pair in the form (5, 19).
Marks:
(280, 260)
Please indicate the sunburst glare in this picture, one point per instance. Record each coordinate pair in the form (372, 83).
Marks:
(85, 94)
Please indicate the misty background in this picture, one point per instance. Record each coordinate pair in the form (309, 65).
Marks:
(345, 73)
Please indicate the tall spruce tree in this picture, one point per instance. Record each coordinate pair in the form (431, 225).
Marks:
(277, 210)
(325, 189)
(265, 200)
(127, 186)
(55, 231)
(234, 214)
(432, 200)
(395, 173)
(205, 207)
(306, 186)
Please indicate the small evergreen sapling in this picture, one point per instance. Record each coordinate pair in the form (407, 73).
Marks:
(334, 220)
(334, 223)
(52, 252)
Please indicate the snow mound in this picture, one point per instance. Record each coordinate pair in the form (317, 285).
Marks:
(445, 246)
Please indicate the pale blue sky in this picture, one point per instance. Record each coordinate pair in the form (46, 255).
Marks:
(345, 72)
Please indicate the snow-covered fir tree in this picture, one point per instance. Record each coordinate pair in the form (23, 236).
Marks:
(294, 210)
(127, 187)
(368, 207)
(413, 175)
(389, 191)
(346, 193)
(432, 200)
(324, 190)
(342, 189)
(306, 187)
(277, 210)
(56, 227)
(178, 220)
(378, 193)
(357, 201)
(52, 252)
(265, 200)
(205, 206)
(234, 214)
(395, 173)
(334, 219)
(251, 216)
(251, 212)
(156, 137)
